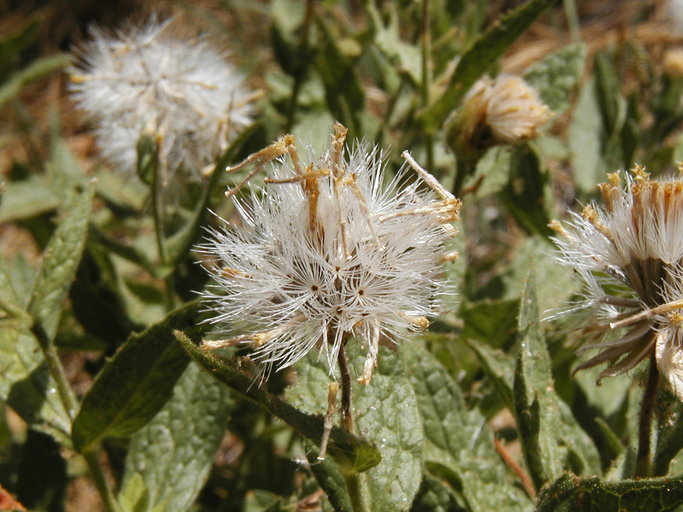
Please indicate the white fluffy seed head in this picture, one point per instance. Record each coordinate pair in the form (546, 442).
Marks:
(145, 79)
(628, 252)
(331, 254)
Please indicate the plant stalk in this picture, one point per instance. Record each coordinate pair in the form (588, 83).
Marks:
(644, 456)
(354, 483)
(346, 413)
(56, 370)
(157, 210)
(573, 23)
(71, 405)
(100, 480)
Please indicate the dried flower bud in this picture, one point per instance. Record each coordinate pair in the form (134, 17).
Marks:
(629, 254)
(501, 111)
(673, 62)
(146, 80)
(324, 252)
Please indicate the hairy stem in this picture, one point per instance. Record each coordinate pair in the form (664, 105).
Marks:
(354, 481)
(54, 365)
(346, 414)
(70, 402)
(157, 210)
(100, 480)
(644, 456)
(572, 20)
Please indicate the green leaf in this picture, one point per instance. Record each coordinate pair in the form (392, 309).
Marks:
(180, 440)
(38, 68)
(27, 198)
(60, 261)
(129, 253)
(386, 411)
(259, 500)
(493, 322)
(498, 367)
(10, 304)
(352, 451)
(25, 381)
(314, 127)
(585, 136)
(457, 438)
(22, 274)
(125, 197)
(96, 298)
(492, 172)
(13, 44)
(608, 411)
(65, 170)
(554, 284)
(613, 109)
(435, 496)
(610, 100)
(669, 439)
(550, 437)
(28, 386)
(556, 76)
(288, 17)
(136, 383)
(405, 56)
(570, 493)
(339, 72)
(133, 496)
(480, 57)
(524, 194)
(330, 479)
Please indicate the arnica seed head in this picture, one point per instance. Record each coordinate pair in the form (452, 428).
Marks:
(629, 254)
(147, 80)
(501, 111)
(326, 252)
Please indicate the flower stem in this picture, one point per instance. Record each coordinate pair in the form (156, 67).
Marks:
(644, 457)
(100, 480)
(71, 405)
(346, 415)
(54, 365)
(157, 210)
(354, 481)
(572, 20)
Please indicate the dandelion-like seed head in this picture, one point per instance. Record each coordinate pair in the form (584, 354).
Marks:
(629, 253)
(502, 111)
(145, 79)
(325, 252)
